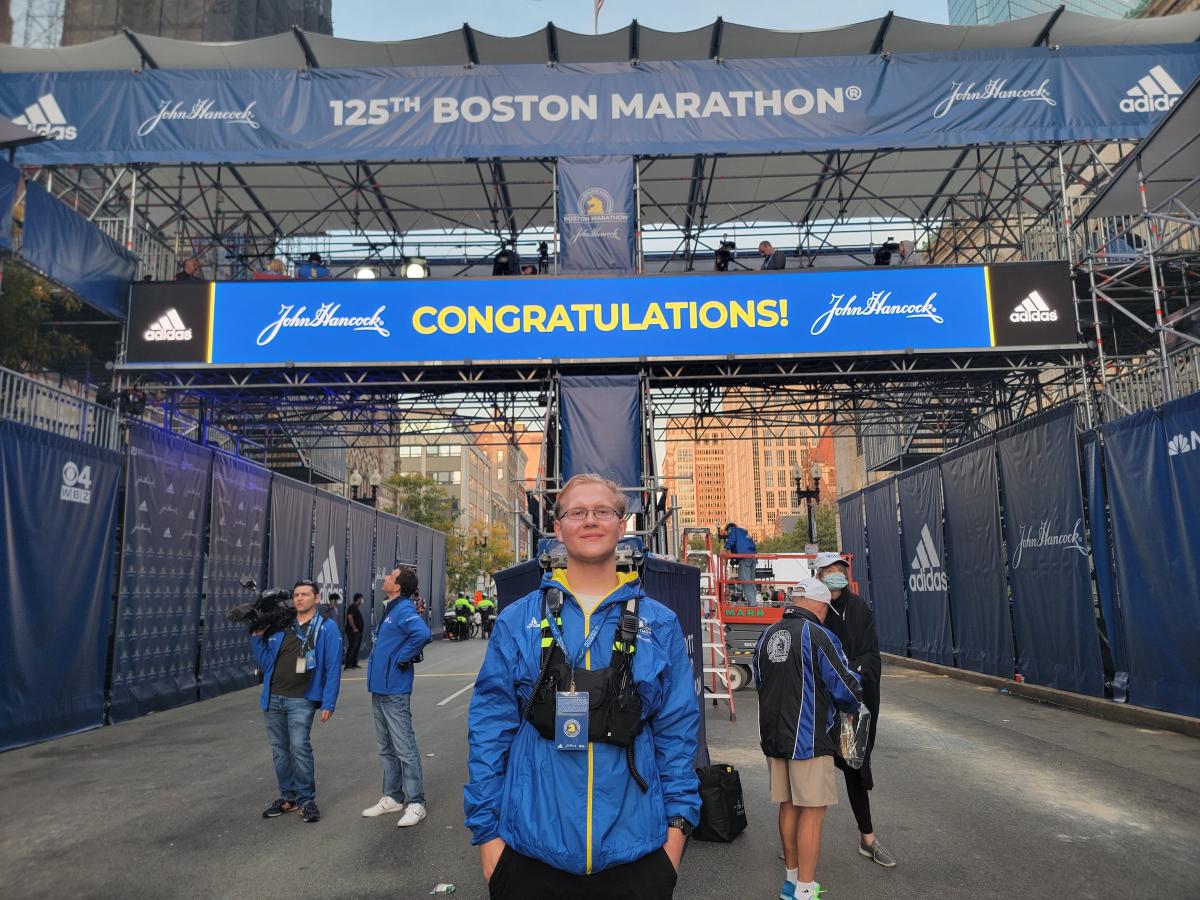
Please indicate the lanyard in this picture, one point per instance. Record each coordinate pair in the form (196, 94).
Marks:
(562, 644)
(305, 639)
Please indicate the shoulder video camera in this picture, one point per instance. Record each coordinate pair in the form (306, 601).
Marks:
(269, 611)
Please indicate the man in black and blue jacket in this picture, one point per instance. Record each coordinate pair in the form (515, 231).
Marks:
(302, 672)
(401, 636)
(803, 679)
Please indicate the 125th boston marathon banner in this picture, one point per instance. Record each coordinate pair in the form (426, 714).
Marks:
(585, 319)
(684, 107)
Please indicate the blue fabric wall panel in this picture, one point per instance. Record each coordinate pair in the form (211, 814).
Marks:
(425, 567)
(436, 593)
(59, 499)
(975, 560)
(290, 547)
(10, 176)
(886, 569)
(1054, 617)
(601, 429)
(236, 531)
(929, 631)
(1102, 560)
(360, 572)
(330, 522)
(407, 552)
(75, 252)
(1155, 567)
(162, 567)
(854, 540)
(387, 535)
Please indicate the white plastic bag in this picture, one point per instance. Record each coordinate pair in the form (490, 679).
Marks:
(853, 732)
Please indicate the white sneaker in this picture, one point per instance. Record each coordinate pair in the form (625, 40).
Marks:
(413, 813)
(385, 805)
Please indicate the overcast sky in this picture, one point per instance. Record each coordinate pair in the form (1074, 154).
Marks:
(387, 20)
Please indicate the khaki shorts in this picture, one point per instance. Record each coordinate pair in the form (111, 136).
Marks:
(803, 782)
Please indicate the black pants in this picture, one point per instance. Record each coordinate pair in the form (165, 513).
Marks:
(353, 642)
(519, 877)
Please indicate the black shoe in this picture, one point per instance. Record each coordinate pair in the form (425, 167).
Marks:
(310, 813)
(278, 808)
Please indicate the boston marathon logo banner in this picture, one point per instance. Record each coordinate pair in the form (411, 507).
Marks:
(596, 214)
(586, 319)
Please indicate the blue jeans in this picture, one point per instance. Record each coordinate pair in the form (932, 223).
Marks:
(289, 721)
(398, 752)
(746, 573)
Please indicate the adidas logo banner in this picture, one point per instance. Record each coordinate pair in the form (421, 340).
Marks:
(168, 327)
(45, 117)
(1033, 309)
(927, 571)
(1156, 91)
(328, 579)
(923, 565)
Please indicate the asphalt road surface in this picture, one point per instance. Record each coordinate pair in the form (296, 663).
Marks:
(978, 795)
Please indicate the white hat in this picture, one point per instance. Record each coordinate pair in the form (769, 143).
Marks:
(810, 589)
(828, 558)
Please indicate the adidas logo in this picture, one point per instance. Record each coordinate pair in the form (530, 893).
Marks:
(533, 623)
(926, 563)
(1183, 443)
(1033, 309)
(46, 118)
(329, 572)
(1155, 91)
(169, 327)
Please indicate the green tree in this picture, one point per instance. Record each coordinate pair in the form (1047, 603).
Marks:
(480, 550)
(423, 501)
(27, 303)
(794, 540)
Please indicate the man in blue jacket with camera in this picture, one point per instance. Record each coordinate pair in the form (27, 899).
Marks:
(399, 639)
(302, 671)
(582, 728)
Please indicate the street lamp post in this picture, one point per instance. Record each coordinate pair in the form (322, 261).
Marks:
(810, 496)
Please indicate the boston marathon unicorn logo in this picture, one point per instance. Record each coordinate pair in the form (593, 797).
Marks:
(595, 202)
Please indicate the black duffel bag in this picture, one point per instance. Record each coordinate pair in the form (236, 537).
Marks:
(722, 810)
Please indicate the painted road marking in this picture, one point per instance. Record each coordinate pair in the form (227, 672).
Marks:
(461, 690)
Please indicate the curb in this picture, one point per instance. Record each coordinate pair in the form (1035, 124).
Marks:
(1092, 706)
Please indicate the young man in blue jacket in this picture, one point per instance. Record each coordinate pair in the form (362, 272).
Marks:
(577, 814)
(738, 540)
(302, 672)
(399, 639)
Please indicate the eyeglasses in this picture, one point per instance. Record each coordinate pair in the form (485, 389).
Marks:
(600, 513)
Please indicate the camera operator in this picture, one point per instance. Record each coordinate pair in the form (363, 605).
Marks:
(772, 258)
(399, 639)
(301, 666)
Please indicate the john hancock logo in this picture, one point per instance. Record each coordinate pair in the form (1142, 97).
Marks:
(596, 211)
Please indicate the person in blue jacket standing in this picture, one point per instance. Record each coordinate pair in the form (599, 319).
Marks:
(586, 812)
(302, 672)
(738, 540)
(399, 639)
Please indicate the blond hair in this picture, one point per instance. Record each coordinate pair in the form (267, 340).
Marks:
(620, 501)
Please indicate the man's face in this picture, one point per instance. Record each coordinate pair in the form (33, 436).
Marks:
(589, 539)
(391, 583)
(765, 249)
(191, 266)
(304, 599)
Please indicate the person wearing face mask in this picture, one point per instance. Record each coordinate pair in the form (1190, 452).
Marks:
(853, 623)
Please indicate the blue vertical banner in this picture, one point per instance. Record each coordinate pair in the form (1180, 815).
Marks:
(59, 498)
(407, 551)
(387, 533)
(360, 571)
(597, 215)
(436, 593)
(930, 632)
(886, 570)
(854, 541)
(425, 567)
(290, 548)
(601, 429)
(1148, 460)
(1049, 570)
(330, 523)
(1102, 560)
(162, 567)
(236, 540)
(975, 560)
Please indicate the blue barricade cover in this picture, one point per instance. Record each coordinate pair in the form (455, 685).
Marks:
(601, 429)
(290, 548)
(930, 634)
(162, 565)
(859, 101)
(597, 214)
(436, 590)
(1102, 560)
(886, 568)
(975, 560)
(854, 540)
(10, 177)
(425, 537)
(387, 533)
(237, 526)
(1147, 463)
(67, 248)
(360, 572)
(406, 551)
(59, 497)
(1049, 570)
(330, 525)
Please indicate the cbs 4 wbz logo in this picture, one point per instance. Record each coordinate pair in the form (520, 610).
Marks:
(168, 327)
(45, 117)
(1183, 443)
(76, 483)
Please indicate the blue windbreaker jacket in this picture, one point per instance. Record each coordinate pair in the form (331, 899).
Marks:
(402, 634)
(739, 541)
(326, 680)
(580, 811)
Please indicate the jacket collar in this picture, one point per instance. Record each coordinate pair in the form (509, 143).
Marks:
(798, 612)
(626, 586)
